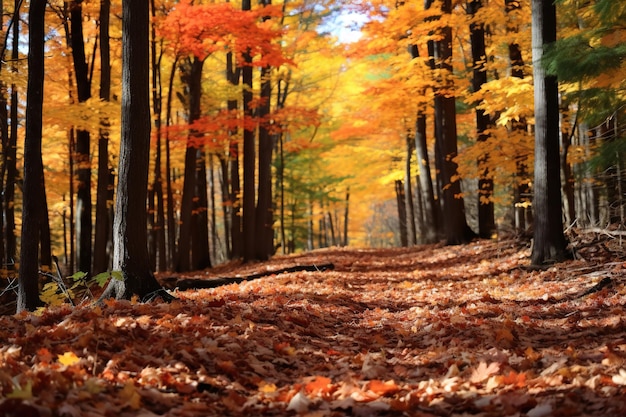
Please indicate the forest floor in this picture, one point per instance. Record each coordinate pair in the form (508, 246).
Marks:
(426, 331)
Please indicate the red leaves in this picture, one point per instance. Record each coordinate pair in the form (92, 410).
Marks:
(202, 29)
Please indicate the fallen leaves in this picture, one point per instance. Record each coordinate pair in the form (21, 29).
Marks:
(423, 331)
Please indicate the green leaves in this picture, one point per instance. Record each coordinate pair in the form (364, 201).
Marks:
(56, 293)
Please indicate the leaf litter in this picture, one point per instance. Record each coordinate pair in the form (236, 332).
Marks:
(425, 331)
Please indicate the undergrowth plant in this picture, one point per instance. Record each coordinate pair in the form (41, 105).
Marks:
(79, 290)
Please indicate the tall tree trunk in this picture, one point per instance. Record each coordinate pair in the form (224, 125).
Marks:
(249, 158)
(103, 225)
(486, 217)
(264, 212)
(522, 191)
(236, 236)
(200, 255)
(157, 185)
(455, 225)
(83, 169)
(401, 205)
(33, 190)
(345, 218)
(408, 192)
(549, 241)
(194, 170)
(130, 228)
(11, 155)
(4, 142)
(431, 210)
(213, 216)
(171, 220)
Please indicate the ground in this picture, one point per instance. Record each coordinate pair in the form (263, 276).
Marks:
(426, 331)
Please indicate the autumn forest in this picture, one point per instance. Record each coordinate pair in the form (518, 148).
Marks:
(173, 165)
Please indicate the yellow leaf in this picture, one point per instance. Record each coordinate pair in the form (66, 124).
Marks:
(267, 388)
(68, 359)
(23, 393)
(130, 395)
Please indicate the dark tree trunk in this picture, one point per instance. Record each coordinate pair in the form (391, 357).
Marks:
(430, 212)
(345, 218)
(11, 155)
(264, 212)
(157, 186)
(236, 236)
(4, 141)
(200, 255)
(171, 220)
(486, 217)
(33, 189)
(129, 228)
(103, 225)
(83, 162)
(550, 244)
(249, 159)
(455, 225)
(401, 204)
(522, 192)
(194, 169)
(408, 192)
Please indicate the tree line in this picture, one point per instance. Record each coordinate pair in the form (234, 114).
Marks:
(252, 126)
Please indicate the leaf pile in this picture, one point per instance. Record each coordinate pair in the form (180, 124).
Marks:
(426, 331)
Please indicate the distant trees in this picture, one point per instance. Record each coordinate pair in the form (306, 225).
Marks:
(261, 126)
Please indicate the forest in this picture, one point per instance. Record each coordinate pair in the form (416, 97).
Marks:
(262, 169)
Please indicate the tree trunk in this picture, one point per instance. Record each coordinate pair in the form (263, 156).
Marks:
(192, 77)
(408, 192)
(345, 218)
(236, 236)
(4, 141)
(102, 233)
(171, 220)
(455, 225)
(486, 218)
(200, 255)
(83, 169)
(33, 188)
(11, 155)
(549, 241)
(264, 213)
(522, 191)
(401, 205)
(130, 228)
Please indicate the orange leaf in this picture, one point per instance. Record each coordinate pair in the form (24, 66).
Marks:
(383, 388)
(319, 385)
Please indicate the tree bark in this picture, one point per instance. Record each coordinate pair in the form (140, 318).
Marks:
(550, 244)
(103, 225)
(455, 226)
(249, 159)
(130, 227)
(33, 189)
(194, 170)
(264, 211)
(486, 217)
(11, 155)
(401, 205)
(83, 168)
(236, 237)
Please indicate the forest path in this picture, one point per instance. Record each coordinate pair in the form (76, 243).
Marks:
(426, 331)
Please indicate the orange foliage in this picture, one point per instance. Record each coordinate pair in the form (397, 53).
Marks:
(203, 29)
